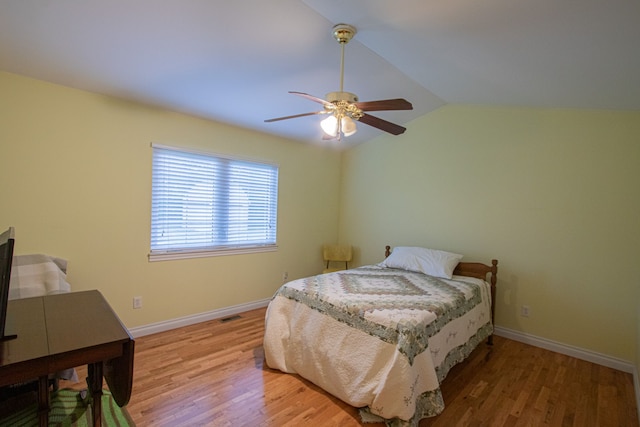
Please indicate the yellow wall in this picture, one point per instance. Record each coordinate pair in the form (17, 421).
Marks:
(75, 181)
(554, 195)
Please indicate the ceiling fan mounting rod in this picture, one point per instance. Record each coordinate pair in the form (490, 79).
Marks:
(342, 68)
(343, 33)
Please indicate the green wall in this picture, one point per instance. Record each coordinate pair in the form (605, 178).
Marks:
(75, 181)
(552, 194)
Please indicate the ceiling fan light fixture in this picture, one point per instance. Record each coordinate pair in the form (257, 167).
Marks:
(348, 126)
(333, 126)
(330, 125)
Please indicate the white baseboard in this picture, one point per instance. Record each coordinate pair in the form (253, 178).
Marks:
(167, 325)
(590, 356)
(636, 384)
(579, 353)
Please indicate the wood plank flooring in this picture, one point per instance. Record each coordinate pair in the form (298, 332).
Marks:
(213, 374)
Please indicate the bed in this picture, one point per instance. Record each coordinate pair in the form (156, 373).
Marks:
(383, 337)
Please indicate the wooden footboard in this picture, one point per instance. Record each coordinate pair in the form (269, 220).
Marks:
(477, 270)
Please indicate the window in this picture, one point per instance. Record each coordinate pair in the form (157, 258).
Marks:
(205, 205)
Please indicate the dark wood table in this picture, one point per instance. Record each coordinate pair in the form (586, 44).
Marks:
(63, 331)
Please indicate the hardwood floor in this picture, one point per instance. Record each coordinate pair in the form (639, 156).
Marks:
(212, 374)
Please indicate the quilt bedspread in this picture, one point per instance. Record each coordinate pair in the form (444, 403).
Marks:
(378, 338)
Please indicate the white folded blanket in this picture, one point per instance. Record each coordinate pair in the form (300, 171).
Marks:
(37, 275)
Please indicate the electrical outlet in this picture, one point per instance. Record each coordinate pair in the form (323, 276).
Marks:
(525, 311)
(285, 276)
(137, 302)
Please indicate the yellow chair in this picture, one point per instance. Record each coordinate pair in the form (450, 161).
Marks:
(334, 254)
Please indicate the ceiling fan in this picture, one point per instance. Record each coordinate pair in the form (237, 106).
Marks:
(344, 108)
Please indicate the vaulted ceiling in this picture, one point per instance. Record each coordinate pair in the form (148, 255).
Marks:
(235, 61)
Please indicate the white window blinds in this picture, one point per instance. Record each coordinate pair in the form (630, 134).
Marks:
(205, 203)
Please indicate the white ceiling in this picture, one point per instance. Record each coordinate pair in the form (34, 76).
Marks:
(235, 61)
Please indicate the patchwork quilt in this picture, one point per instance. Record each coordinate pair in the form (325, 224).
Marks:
(380, 339)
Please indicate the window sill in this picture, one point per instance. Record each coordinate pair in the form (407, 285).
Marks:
(168, 256)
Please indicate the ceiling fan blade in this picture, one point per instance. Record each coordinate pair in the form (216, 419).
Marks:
(295, 116)
(381, 124)
(385, 104)
(312, 98)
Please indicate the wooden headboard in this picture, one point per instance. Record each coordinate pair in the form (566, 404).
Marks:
(477, 270)
(470, 269)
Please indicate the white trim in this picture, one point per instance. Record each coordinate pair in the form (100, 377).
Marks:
(166, 256)
(636, 386)
(179, 322)
(536, 341)
(579, 353)
(212, 153)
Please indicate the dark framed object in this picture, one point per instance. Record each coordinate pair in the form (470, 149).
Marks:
(7, 241)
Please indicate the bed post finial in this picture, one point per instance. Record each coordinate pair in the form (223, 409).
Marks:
(387, 251)
(494, 279)
(494, 271)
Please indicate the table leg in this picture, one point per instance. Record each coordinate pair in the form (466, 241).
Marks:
(43, 401)
(95, 388)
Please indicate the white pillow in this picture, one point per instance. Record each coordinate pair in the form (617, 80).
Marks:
(428, 261)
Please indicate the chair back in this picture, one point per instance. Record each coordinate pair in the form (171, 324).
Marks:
(336, 254)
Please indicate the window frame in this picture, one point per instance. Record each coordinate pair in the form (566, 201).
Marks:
(219, 249)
